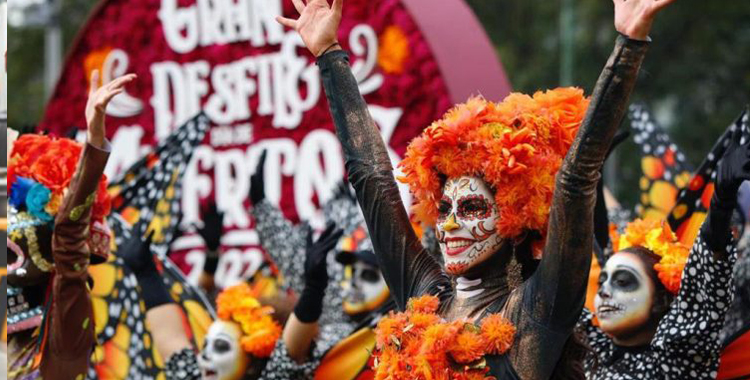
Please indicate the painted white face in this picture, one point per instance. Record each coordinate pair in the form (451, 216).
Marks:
(222, 358)
(364, 288)
(625, 297)
(466, 227)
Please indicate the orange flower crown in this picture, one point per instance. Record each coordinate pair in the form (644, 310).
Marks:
(516, 146)
(259, 331)
(50, 162)
(656, 236)
(417, 344)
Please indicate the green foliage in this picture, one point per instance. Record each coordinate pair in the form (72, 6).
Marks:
(696, 77)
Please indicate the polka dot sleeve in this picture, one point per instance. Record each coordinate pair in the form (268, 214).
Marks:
(183, 365)
(687, 339)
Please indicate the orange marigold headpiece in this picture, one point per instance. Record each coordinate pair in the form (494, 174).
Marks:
(259, 331)
(657, 236)
(516, 146)
(418, 345)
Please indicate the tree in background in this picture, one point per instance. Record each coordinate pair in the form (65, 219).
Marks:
(696, 77)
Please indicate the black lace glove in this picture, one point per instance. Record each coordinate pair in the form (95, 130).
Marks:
(733, 169)
(310, 304)
(136, 252)
(257, 186)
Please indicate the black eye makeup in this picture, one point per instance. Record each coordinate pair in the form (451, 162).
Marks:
(603, 278)
(221, 345)
(474, 206)
(444, 208)
(625, 280)
(370, 275)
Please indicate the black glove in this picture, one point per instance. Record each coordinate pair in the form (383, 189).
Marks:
(733, 169)
(257, 187)
(136, 253)
(213, 227)
(310, 304)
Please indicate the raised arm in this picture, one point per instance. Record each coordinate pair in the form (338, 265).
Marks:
(560, 281)
(71, 326)
(282, 240)
(407, 267)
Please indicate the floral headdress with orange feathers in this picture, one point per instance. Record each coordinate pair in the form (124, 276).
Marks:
(260, 331)
(656, 236)
(516, 146)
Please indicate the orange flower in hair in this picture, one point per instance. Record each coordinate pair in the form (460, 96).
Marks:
(514, 146)
(657, 236)
(260, 332)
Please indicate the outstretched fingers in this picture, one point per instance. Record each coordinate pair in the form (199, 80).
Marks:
(94, 83)
(289, 23)
(338, 6)
(299, 6)
(660, 4)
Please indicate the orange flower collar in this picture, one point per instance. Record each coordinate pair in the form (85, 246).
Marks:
(418, 344)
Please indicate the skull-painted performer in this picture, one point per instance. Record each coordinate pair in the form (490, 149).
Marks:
(237, 344)
(660, 306)
(486, 175)
(57, 229)
(357, 295)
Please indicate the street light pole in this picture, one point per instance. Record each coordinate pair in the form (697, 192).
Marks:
(52, 48)
(567, 53)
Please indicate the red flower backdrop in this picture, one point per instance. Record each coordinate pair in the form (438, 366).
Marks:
(261, 87)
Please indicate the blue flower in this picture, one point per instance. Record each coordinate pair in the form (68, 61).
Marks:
(18, 191)
(38, 197)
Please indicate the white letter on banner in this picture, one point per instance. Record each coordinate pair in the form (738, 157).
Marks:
(165, 76)
(263, 15)
(313, 178)
(196, 185)
(174, 21)
(232, 190)
(219, 106)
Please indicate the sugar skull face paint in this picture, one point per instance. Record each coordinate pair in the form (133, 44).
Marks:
(466, 226)
(625, 297)
(364, 288)
(222, 358)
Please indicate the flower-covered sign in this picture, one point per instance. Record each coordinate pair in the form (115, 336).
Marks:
(262, 91)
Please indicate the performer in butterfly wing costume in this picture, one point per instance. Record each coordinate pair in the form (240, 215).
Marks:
(54, 235)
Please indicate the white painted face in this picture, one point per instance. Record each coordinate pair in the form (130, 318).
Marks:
(626, 295)
(222, 357)
(364, 288)
(466, 226)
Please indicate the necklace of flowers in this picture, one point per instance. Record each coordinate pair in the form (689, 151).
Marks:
(418, 344)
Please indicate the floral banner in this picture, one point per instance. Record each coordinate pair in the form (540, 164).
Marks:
(261, 89)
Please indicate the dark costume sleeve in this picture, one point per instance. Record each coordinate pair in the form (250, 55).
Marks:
(552, 299)
(70, 326)
(283, 241)
(687, 339)
(407, 266)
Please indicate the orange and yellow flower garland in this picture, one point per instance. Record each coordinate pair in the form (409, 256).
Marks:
(260, 332)
(417, 344)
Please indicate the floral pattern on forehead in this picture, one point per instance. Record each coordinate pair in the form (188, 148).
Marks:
(516, 146)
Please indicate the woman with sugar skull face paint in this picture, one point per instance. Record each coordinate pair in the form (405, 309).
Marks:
(660, 306)
(486, 175)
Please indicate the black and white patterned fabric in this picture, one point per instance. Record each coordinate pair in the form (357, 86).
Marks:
(686, 344)
(737, 321)
(281, 367)
(182, 365)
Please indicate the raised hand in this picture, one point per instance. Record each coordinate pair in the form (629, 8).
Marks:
(136, 252)
(213, 227)
(734, 167)
(257, 185)
(317, 25)
(316, 271)
(633, 18)
(99, 97)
